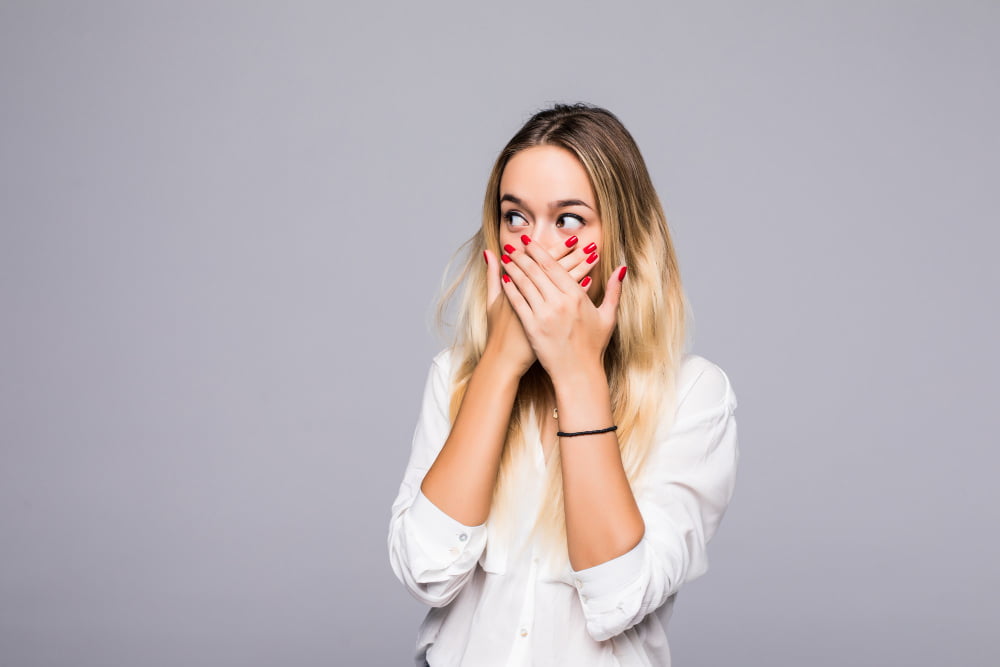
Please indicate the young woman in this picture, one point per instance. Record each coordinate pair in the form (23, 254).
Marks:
(571, 460)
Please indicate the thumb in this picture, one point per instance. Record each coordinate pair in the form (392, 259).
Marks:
(493, 287)
(612, 293)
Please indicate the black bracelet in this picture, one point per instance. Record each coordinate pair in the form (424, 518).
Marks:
(601, 430)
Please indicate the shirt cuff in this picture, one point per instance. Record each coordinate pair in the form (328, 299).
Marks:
(613, 576)
(442, 529)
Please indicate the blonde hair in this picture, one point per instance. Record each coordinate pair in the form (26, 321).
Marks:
(649, 341)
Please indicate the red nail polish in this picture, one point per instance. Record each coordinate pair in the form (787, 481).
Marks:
(505, 258)
(571, 241)
(621, 274)
(485, 258)
(592, 258)
(525, 239)
(509, 248)
(506, 278)
(590, 248)
(585, 281)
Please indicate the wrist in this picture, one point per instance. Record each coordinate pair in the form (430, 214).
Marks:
(579, 377)
(499, 368)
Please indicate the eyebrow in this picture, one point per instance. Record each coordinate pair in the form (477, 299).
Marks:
(562, 203)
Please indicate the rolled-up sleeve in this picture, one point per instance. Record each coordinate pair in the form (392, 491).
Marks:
(682, 496)
(431, 553)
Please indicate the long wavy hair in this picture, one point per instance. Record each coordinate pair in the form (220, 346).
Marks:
(649, 341)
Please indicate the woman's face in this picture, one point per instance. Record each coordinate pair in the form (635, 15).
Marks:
(546, 194)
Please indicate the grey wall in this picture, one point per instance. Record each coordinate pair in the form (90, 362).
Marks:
(223, 226)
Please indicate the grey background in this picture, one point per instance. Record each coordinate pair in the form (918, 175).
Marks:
(223, 226)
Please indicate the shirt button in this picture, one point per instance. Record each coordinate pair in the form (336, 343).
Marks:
(579, 584)
(524, 632)
(463, 536)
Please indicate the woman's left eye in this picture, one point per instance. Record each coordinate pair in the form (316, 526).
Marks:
(569, 218)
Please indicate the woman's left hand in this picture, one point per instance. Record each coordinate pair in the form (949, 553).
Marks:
(563, 326)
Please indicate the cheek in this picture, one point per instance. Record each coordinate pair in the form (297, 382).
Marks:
(507, 236)
(588, 237)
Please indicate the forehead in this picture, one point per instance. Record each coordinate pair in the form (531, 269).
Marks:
(546, 173)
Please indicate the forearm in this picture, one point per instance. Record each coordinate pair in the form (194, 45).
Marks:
(602, 517)
(462, 478)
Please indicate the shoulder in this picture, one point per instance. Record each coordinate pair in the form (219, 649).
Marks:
(442, 364)
(702, 385)
(443, 359)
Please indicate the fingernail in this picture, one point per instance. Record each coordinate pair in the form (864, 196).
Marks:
(506, 278)
(525, 239)
(571, 241)
(590, 248)
(485, 258)
(592, 258)
(621, 274)
(585, 281)
(505, 258)
(509, 248)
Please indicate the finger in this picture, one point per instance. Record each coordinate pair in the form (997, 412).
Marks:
(521, 281)
(578, 259)
(612, 294)
(527, 259)
(572, 256)
(517, 301)
(492, 277)
(565, 253)
(549, 272)
(584, 260)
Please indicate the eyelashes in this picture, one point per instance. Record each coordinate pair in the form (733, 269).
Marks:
(573, 217)
(509, 217)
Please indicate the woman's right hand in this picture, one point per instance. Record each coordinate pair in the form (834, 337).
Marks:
(505, 335)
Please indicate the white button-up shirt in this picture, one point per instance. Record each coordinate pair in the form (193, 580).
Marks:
(489, 612)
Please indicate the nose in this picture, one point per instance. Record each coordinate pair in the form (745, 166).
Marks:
(548, 237)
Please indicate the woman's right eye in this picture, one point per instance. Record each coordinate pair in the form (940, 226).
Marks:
(510, 216)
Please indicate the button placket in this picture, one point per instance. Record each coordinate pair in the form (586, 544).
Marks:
(528, 618)
(456, 550)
